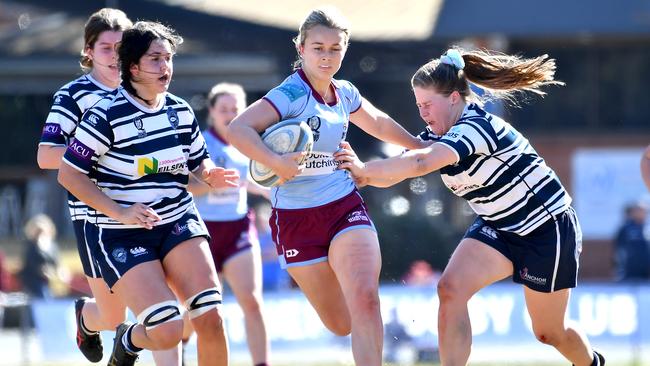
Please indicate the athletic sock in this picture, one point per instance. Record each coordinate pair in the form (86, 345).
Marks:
(127, 343)
(84, 328)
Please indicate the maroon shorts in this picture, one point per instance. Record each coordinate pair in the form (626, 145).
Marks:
(303, 236)
(230, 237)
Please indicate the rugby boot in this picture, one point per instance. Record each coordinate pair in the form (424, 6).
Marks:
(120, 356)
(89, 344)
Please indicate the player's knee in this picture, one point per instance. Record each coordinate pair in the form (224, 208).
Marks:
(449, 289)
(204, 313)
(250, 304)
(366, 299)
(341, 326)
(163, 323)
(168, 335)
(547, 337)
(209, 323)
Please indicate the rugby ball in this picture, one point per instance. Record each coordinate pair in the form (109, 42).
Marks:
(283, 137)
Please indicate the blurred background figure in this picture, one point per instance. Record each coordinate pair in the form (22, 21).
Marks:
(421, 274)
(633, 245)
(233, 238)
(40, 258)
(398, 344)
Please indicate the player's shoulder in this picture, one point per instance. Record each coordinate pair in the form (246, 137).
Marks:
(293, 87)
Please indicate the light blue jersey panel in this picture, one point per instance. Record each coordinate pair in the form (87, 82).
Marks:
(320, 182)
(225, 204)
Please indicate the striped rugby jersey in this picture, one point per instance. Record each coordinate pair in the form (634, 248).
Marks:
(499, 173)
(70, 102)
(136, 154)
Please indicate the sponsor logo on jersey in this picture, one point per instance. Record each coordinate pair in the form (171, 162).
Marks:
(178, 229)
(51, 129)
(530, 278)
(137, 251)
(147, 165)
(317, 161)
(119, 254)
(292, 92)
(290, 253)
(93, 119)
(58, 99)
(489, 232)
(81, 151)
(358, 216)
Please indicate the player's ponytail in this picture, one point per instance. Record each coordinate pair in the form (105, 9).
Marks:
(500, 75)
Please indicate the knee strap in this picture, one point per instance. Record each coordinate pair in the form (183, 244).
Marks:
(203, 302)
(159, 313)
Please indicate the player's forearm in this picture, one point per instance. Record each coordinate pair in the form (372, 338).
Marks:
(49, 157)
(84, 189)
(390, 131)
(197, 187)
(412, 163)
(248, 142)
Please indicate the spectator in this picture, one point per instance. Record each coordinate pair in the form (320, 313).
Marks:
(633, 245)
(421, 274)
(41, 257)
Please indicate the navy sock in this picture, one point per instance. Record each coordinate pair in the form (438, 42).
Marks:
(127, 343)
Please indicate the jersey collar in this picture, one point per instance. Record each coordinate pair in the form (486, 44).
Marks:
(316, 95)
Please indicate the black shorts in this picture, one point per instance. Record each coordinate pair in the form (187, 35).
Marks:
(88, 263)
(546, 259)
(118, 250)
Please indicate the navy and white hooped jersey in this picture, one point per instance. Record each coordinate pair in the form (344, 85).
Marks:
(136, 154)
(70, 103)
(320, 182)
(224, 204)
(499, 173)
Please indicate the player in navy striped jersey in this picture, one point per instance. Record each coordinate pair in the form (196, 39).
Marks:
(102, 32)
(525, 227)
(323, 233)
(130, 162)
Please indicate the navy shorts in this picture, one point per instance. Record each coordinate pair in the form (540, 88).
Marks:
(89, 265)
(302, 236)
(229, 238)
(119, 250)
(546, 259)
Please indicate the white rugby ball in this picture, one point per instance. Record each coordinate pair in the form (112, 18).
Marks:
(283, 137)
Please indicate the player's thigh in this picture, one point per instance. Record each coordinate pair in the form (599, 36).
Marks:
(547, 310)
(243, 273)
(473, 266)
(355, 257)
(321, 287)
(111, 307)
(189, 267)
(142, 286)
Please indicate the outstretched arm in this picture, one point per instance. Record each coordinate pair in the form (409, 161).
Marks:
(387, 172)
(380, 125)
(645, 167)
